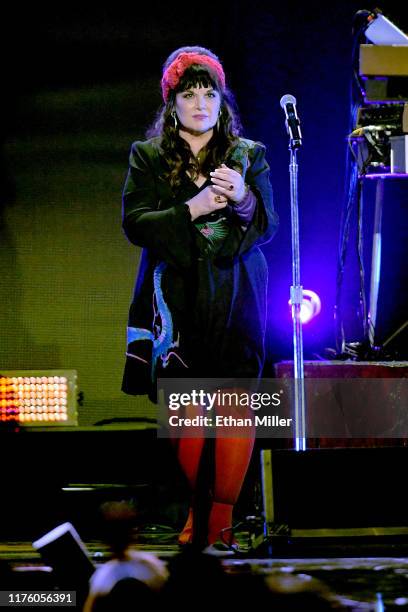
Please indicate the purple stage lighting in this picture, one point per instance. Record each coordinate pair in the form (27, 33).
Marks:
(311, 306)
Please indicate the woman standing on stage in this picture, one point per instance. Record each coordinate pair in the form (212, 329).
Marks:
(198, 200)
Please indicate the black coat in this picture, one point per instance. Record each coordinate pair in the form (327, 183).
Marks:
(199, 306)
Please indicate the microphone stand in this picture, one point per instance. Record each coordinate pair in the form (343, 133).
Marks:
(296, 298)
(272, 531)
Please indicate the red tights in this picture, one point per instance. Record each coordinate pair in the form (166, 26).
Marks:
(232, 457)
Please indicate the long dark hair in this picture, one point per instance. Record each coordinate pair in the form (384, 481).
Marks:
(177, 151)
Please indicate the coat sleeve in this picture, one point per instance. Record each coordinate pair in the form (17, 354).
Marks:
(167, 233)
(264, 222)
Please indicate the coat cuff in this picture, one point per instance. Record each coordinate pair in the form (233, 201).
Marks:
(245, 209)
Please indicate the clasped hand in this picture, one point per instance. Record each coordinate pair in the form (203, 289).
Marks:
(227, 185)
(228, 182)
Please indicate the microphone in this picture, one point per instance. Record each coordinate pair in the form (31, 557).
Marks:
(288, 103)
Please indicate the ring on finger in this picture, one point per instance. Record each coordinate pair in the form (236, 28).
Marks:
(219, 199)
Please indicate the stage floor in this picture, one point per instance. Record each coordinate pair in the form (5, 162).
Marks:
(356, 580)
